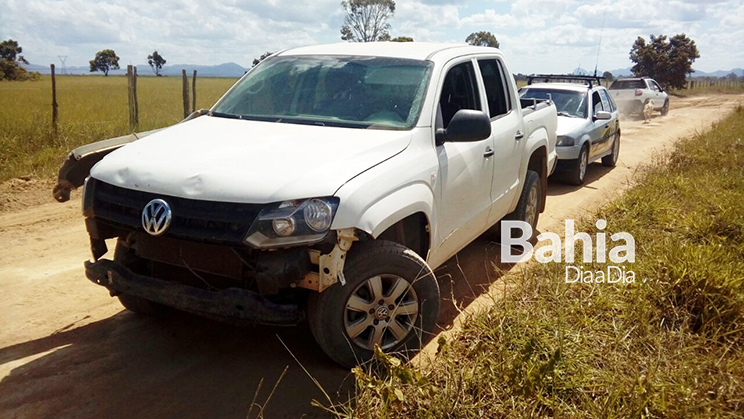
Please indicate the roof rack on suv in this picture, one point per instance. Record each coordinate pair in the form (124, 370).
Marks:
(565, 77)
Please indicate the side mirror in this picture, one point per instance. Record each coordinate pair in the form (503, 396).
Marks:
(466, 125)
(602, 116)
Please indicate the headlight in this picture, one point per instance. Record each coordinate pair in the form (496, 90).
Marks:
(291, 223)
(565, 141)
(318, 214)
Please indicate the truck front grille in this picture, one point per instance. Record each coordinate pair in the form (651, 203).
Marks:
(207, 221)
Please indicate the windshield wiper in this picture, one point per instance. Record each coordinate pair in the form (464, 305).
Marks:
(566, 114)
(225, 115)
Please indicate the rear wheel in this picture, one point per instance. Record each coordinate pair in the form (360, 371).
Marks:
(665, 108)
(528, 207)
(390, 300)
(610, 160)
(577, 173)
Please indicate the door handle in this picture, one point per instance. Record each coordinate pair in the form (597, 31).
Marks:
(519, 135)
(488, 153)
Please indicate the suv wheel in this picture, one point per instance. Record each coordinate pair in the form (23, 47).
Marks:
(665, 108)
(610, 160)
(577, 173)
(390, 300)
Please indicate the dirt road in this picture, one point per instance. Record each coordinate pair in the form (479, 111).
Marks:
(69, 350)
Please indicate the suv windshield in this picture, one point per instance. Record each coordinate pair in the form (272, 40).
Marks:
(357, 92)
(567, 102)
(628, 84)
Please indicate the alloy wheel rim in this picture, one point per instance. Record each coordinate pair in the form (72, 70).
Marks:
(582, 165)
(381, 311)
(616, 150)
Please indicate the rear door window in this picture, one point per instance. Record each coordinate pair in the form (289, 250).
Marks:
(497, 93)
(605, 102)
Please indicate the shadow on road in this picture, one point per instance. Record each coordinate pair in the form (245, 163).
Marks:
(186, 366)
(594, 172)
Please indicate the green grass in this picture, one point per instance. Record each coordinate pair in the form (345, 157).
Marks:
(710, 87)
(91, 108)
(670, 345)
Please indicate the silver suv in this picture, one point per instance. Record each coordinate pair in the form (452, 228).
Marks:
(588, 121)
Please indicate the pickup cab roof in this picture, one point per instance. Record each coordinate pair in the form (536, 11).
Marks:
(409, 50)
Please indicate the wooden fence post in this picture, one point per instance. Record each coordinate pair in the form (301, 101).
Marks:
(132, 96)
(185, 93)
(55, 112)
(193, 93)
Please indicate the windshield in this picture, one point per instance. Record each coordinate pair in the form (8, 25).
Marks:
(628, 84)
(357, 92)
(567, 102)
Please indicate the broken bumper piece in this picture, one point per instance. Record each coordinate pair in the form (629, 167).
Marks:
(231, 303)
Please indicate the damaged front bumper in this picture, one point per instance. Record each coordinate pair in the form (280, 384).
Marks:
(233, 303)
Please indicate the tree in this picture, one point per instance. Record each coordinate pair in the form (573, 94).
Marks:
(666, 61)
(402, 39)
(9, 58)
(608, 76)
(263, 56)
(10, 50)
(731, 76)
(482, 39)
(156, 62)
(105, 60)
(366, 20)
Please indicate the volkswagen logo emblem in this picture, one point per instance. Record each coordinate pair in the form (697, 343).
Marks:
(156, 217)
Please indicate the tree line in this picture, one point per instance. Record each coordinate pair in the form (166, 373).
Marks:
(668, 60)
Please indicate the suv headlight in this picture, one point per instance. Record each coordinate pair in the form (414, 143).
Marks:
(291, 223)
(565, 141)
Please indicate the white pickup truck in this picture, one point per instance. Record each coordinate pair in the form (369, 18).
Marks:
(326, 184)
(631, 94)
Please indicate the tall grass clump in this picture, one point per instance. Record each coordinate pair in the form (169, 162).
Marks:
(91, 108)
(668, 345)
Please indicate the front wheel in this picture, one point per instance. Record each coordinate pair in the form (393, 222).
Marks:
(610, 160)
(577, 173)
(390, 300)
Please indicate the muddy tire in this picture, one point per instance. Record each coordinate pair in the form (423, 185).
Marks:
(610, 160)
(391, 299)
(665, 108)
(124, 256)
(528, 207)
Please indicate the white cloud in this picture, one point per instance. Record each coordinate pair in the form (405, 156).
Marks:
(537, 35)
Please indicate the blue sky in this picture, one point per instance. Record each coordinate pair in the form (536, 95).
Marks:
(536, 35)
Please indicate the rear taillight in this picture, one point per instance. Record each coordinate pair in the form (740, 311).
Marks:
(638, 92)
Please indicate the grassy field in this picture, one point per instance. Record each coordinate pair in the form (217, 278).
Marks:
(91, 108)
(669, 345)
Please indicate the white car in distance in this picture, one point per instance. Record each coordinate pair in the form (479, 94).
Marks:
(632, 94)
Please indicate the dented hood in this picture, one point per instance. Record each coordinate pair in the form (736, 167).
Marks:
(231, 160)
